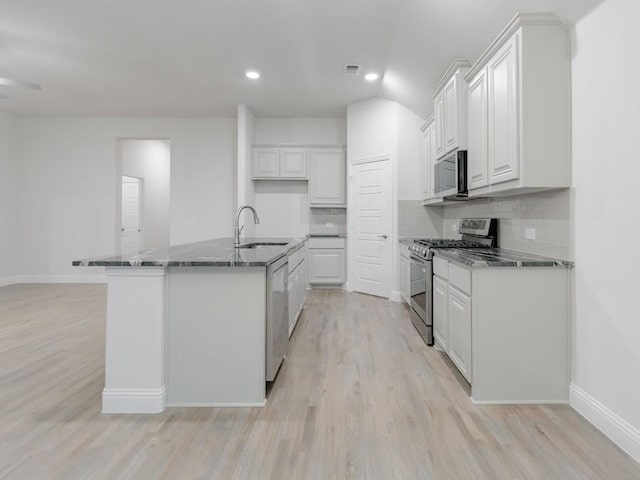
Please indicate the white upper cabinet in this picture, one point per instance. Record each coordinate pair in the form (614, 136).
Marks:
(426, 155)
(438, 112)
(327, 177)
(288, 163)
(293, 163)
(266, 163)
(477, 166)
(451, 129)
(450, 109)
(504, 155)
(526, 126)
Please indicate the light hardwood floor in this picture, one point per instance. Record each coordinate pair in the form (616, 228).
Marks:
(359, 396)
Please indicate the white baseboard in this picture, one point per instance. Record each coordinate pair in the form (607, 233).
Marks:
(133, 400)
(12, 280)
(621, 432)
(218, 404)
(519, 402)
(17, 279)
(396, 296)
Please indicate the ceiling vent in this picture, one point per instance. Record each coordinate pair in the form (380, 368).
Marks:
(352, 69)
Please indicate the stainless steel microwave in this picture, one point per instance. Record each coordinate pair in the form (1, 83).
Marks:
(450, 174)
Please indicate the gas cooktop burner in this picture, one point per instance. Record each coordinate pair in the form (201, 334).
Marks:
(448, 243)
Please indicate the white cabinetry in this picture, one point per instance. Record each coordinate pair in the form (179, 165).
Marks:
(459, 310)
(405, 273)
(450, 109)
(438, 113)
(297, 287)
(266, 163)
(440, 312)
(326, 261)
(327, 177)
(502, 73)
(279, 163)
(477, 168)
(519, 111)
(293, 163)
(427, 153)
(509, 345)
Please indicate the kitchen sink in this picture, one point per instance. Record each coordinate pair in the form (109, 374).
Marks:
(262, 245)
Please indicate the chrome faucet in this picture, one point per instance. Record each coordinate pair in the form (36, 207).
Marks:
(256, 220)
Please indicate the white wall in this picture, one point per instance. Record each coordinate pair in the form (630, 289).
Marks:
(372, 131)
(150, 160)
(307, 131)
(283, 206)
(9, 199)
(409, 185)
(246, 191)
(69, 179)
(606, 172)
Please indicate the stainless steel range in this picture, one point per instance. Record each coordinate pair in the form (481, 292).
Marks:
(476, 233)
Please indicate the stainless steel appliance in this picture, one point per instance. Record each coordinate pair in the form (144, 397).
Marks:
(450, 179)
(476, 233)
(277, 316)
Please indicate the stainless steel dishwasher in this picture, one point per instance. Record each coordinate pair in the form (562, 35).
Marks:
(277, 315)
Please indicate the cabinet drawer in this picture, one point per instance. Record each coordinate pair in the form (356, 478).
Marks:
(296, 257)
(441, 267)
(326, 242)
(460, 278)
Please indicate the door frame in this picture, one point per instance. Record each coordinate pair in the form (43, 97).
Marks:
(118, 186)
(140, 211)
(351, 218)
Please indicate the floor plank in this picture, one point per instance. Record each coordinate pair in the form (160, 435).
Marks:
(359, 396)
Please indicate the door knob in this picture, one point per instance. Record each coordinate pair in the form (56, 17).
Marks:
(383, 235)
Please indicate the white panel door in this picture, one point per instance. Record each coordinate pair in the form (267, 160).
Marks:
(459, 310)
(293, 163)
(451, 134)
(372, 228)
(438, 108)
(266, 163)
(477, 151)
(441, 312)
(504, 149)
(130, 231)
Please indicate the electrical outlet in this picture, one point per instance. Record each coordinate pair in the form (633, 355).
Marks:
(454, 227)
(530, 233)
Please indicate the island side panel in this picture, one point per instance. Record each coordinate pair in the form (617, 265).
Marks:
(134, 356)
(520, 335)
(216, 336)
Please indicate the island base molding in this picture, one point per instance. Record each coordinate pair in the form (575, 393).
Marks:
(135, 340)
(133, 400)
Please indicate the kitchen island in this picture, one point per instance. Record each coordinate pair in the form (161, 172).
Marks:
(187, 324)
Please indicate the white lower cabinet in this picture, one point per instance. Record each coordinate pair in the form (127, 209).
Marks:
(297, 287)
(459, 310)
(326, 261)
(509, 343)
(405, 273)
(440, 312)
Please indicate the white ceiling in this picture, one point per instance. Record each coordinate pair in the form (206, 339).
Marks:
(188, 57)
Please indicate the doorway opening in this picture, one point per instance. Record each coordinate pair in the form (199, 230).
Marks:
(143, 200)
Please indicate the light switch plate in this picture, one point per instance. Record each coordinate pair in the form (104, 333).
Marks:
(530, 233)
(454, 227)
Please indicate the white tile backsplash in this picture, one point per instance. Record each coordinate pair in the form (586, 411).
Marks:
(418, 221)
(549, 213)
(327, 221)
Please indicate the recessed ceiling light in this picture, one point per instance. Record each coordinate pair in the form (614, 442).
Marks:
(252, 74)
(371, 77)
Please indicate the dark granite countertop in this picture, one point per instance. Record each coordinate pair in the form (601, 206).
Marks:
(208, 253)
(327, 235)
(497, 257)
